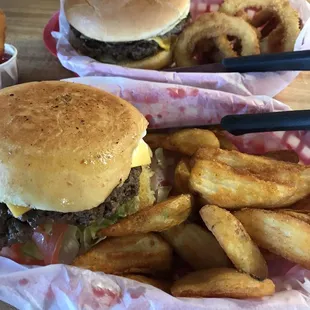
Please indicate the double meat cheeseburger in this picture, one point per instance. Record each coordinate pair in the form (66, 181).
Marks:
(131, 33)
(72, 161)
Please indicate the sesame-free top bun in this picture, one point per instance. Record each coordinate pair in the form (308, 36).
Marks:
(64, 146)
(125, 20)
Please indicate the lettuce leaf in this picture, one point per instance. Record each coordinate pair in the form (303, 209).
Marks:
(78, 240)
(70, 245)
(30, 249)
(90, 235)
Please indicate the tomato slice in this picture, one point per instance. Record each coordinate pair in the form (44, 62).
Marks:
(16, 254)
(50, 244)
(12, 252)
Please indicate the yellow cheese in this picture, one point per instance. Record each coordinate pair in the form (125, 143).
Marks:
(142, 155)
(163, 43)
(16, 210)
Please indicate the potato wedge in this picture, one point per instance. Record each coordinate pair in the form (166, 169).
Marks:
(260, 166)
(180, 268)
(188, 141)
(283, 155)
(181, 176)
(234, 180)
(221, 282)
(279, 233)
(303, 211)
(303, 204)
(160, 217)
(155, 140)
(143, 253)
(235, 241)
(161, 284)
(269, 256)
(196, 246)
(200, 201)
(226, 187)
(298, 215)
(225, 143)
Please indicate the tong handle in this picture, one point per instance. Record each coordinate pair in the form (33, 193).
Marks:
(287, 61)
(265, 122)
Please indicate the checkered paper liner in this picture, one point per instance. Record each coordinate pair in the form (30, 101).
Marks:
(169, 100)
(200, 7)
(297, 141)
(247, 84)
(171, 105)
(164, 105)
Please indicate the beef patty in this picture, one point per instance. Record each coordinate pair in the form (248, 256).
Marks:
(120, 51)
(14, 230)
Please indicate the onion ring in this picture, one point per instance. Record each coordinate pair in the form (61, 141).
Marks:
(261, 18)
(222, 48)
(287, 16)
(215, 26)
(273, 42)
(225, 47)
(271, 33)
(214, 50)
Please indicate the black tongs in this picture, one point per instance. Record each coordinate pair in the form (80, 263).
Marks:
(253, 123)
(288, 61)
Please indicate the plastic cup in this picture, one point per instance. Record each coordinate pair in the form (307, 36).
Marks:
(8, 69)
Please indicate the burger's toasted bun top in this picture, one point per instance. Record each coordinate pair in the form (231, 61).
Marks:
(125, 20)
(64, 146)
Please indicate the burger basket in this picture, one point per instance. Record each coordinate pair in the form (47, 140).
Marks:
(164, 105)
(269, 84)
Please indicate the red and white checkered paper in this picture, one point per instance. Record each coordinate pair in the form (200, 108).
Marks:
(171, 105)
(164, 105)
(246, 84)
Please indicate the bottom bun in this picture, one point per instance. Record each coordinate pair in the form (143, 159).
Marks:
(160, 60)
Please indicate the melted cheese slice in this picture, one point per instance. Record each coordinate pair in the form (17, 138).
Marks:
(165, 44)
(16, 210)
(141, 156)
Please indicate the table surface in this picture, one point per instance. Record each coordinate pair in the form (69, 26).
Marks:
(26, 20)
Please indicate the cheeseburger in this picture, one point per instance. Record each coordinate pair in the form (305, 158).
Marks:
(131, 33)
(72, 161)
